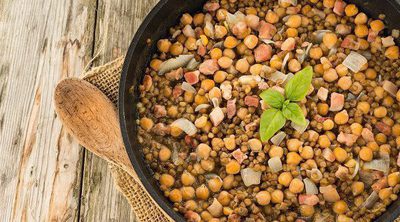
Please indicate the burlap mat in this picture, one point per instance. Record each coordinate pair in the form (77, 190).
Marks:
(106, 78)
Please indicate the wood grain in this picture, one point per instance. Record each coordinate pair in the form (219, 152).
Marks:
(41, 42)
(117, 21)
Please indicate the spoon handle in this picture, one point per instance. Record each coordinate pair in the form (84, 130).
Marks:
(92, 119)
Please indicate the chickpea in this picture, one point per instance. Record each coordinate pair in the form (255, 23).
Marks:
(351, 10)
(294, 65)
(202, 192)
(251, 41)
(307, 152)
(360, 19)
(340, 207)
(255, 144)
(146, 123)
(207, 84)
(186, 19)
(206, 216)
(363, 107)
(203, 151)
(242, 65)
(380, 112)
(379, 92)
(292, 32)
(306, 210)
(385, 193)
(361, 31)
(204, 40)
(377, 25)
(393, 179)
(341, 70)
(293, 158)
(398, 95)
(228, 182)
(392, 52)
(370, 73)
(329, 39)
(263, 198)
(294, 21)
(330, 75)
(164, 154)
(187, 179)
(322, 109)
(155, 64)
(275, 151)
(324, 141)
(216, 53)
(175, 196)
(340, 154)
(341, 117)
(357, 188)
(256, 69)
(296, 186)
(285, 178)
(345, 82)
(191, 205)
(233, 167)
(366, 154)
(396, 130)
(167, 180)
(328, 125)
(188, 193)
(356, 129)
(225, 62)
(271, 17)
(316, 53)
(163, 45)
(293, 144)
(220, 31)
(230, 42)
(215, 184)
(230, 142)
(176, 49)
(277, 196)
(224, 198)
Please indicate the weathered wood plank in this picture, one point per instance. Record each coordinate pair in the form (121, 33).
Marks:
(116, 23)
(41, 42)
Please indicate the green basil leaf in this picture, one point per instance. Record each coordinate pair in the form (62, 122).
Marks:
(297, 87)
(271, 121)
(294, 113)
(273, 98)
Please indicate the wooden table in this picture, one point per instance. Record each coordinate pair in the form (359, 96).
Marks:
(44, 174)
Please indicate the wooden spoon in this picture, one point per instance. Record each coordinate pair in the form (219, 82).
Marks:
(92, 118)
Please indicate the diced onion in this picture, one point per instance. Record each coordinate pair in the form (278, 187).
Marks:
(215, 208)
(390, 87)
(219, 44)
(278, 77)
(174, 63)
(315, 174)
(188, 127)
(293, 2)
(288, 77)
(176, 33)
(201, 106)
(298, 128)
(212, 176)
(329, 193)
(305, 54)
(275, 164)
(215, 102)
(192, 65)
(371, 200)
(310, 186)
(233, 19)
(267, 41)
(249, 79)
(285, 60)
(187, 87)
(250, 176)
(356, 168)
(382, 165)
(354, 61)
(278, 138)
(328, 155)
(318, 35)
(175, 156)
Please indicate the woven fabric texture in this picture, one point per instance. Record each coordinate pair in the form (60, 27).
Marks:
(106, 78)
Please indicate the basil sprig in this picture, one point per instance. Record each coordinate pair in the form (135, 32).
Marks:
(285, 107)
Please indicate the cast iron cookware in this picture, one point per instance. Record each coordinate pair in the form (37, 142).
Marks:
(155, 26)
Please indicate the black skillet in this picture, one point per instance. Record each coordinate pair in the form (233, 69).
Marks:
(156, 25)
